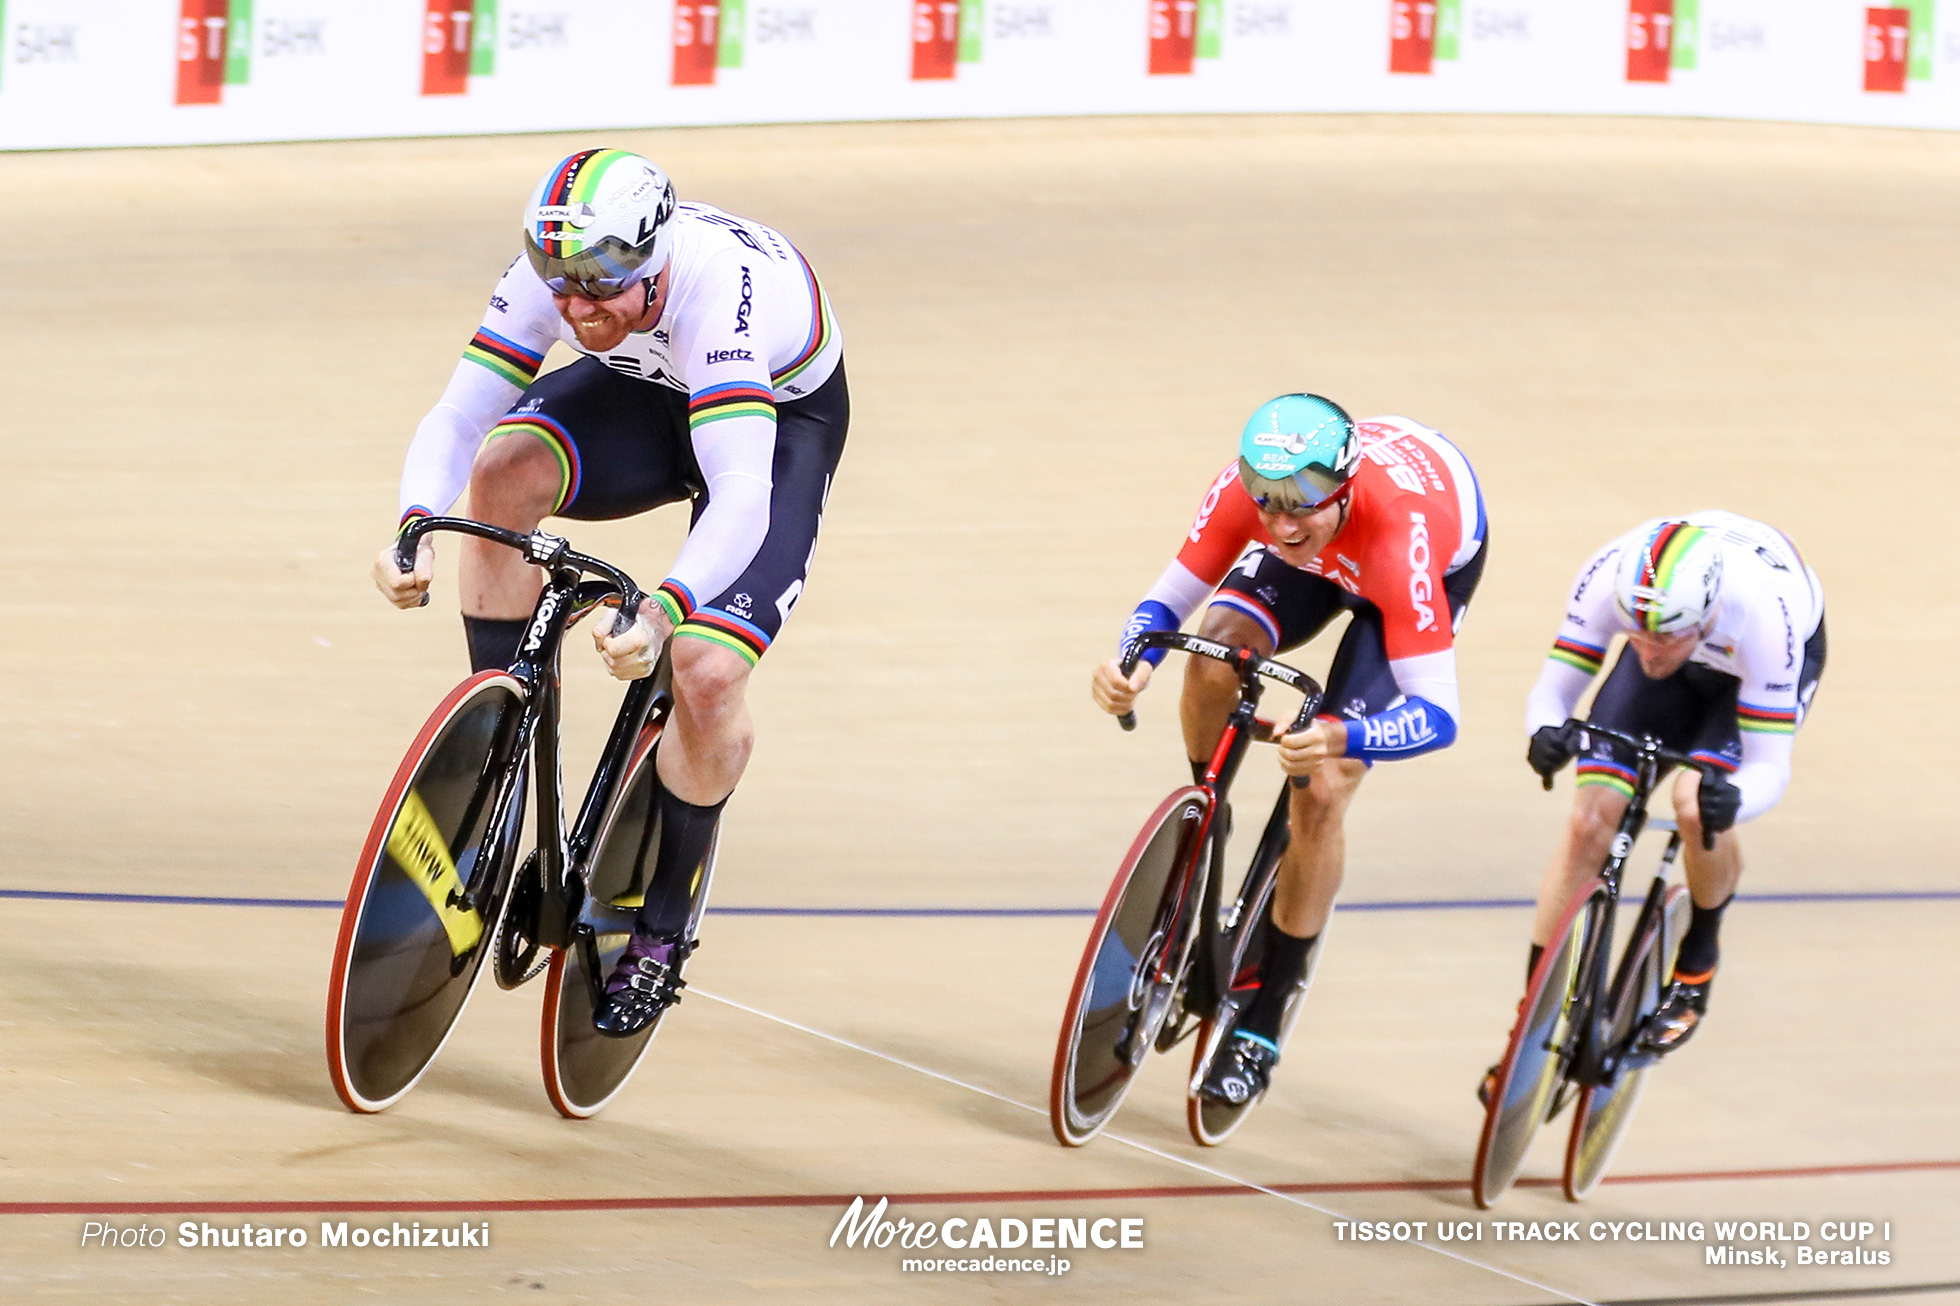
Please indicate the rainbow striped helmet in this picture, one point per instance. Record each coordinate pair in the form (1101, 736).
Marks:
(1297, 452)
(1670, 580)
(599, 223)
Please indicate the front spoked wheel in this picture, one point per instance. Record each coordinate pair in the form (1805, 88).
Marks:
(1211, 1122)
(1128, 978)
(1604, 1111)
(1536, 1061)
(427, 895)
(584, 1069)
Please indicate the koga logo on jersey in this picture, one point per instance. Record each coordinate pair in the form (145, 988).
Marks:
(747, 305)
(1421, 588)
(1661, 35)
(729, 356)
(708, 34)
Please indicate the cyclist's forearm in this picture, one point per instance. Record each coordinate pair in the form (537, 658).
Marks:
(437, 465)
(1764, 773)
(1411, 728)
(1167, 606)
(1550, 703)
(722, 543)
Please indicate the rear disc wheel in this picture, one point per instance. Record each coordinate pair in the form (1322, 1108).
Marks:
(584, 1069)
(1604, 1111)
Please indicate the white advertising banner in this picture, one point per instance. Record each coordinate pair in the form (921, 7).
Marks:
(162, 72)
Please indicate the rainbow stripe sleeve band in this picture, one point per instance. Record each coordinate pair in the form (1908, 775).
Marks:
(728, 630)
(674, 599)
(557, 440)
(1766, 720)
(508, 359)
(1603, 771)
(718, 403)
(1576, 654)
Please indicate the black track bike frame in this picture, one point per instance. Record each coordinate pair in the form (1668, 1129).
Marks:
(1591, 1055)
(1207, 983)
(534, 730)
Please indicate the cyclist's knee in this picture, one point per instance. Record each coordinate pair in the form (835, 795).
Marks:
(515, 481)
(1324, 799)
(1230, 626)
(1596, 813)
(709, 678)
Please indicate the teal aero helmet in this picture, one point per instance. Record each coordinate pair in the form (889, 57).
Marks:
(1297, 452)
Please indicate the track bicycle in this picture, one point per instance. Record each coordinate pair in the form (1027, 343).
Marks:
(1166, 958)
(1580, 1031)
(439, 894)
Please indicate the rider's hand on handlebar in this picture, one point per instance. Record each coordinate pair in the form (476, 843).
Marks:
(1307, 751)
(1719, 802)
(631, 656)
(1114, 694)
(406, 589)
(1551, 748)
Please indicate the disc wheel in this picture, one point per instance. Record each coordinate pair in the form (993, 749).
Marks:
(425, 902)
(584, 1069)
(1604, 1111)
(1533, 1066)
(1127, 980)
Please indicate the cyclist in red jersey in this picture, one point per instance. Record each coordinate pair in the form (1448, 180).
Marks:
(1319, 515)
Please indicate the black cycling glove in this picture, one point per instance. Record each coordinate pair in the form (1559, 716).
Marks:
(1551, 748)
(1720, 803)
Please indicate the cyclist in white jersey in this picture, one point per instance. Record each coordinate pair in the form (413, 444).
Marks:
(712, 372)
(1725, 647)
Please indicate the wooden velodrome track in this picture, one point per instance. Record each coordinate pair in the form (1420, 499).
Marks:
(1054, 330)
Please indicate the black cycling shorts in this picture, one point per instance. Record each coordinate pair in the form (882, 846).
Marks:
(623, 448)
(1691, 711)
(1359, 683)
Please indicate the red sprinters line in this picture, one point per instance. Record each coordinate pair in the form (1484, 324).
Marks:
(977, 1198)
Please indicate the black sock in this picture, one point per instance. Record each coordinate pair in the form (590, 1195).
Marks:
(1700, 948)
(687, 833)
(493, 641)
(1285, 961)
(1531, 967)
(1198, 770)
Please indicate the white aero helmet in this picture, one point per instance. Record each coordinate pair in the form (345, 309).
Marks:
(599, 223)
(1670, 580)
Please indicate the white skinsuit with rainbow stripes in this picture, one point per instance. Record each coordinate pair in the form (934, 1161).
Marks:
(1770, 606)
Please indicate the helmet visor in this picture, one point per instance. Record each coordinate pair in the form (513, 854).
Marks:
(598, 271)
(1305, 490)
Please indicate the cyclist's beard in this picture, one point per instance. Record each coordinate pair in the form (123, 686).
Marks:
(599, 333)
